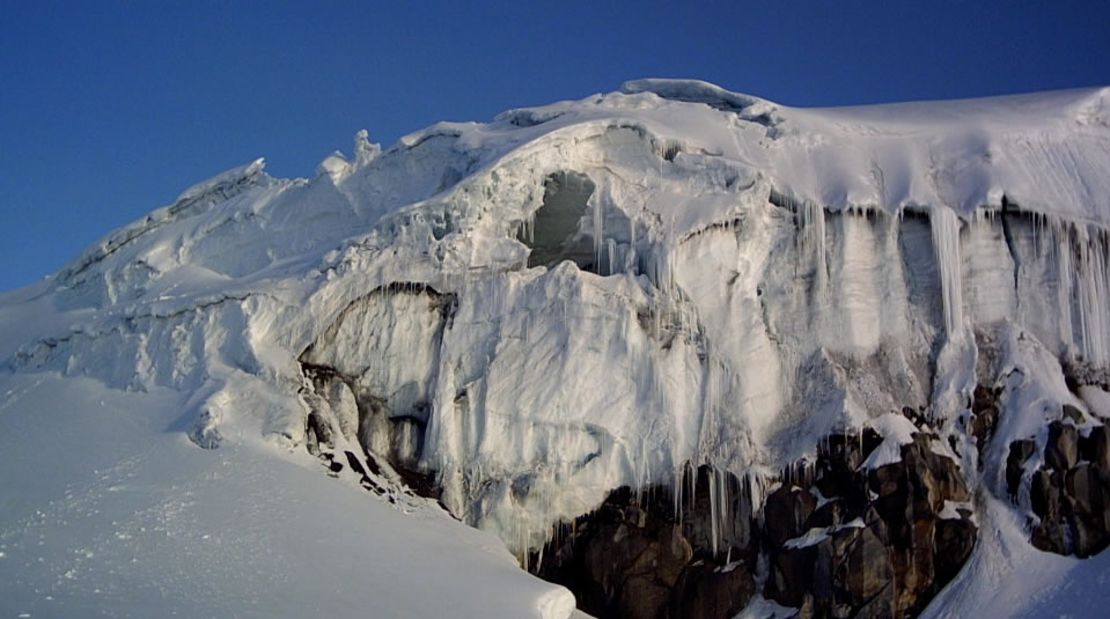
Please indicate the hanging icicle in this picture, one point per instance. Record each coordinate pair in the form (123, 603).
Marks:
(945, 227)
(811, 219)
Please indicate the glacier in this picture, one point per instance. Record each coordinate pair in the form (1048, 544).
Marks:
(670, 286)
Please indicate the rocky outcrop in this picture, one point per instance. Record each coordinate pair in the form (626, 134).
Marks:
(636, 556)
(881, 542)
(1069, 494)
(837, 539)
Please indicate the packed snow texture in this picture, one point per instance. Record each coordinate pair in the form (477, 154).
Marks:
(108, 510)
(594, 293)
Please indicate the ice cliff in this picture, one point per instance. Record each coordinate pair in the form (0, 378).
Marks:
(668, 289)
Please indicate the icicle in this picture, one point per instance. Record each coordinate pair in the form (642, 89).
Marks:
(1091, 293)
(526, 229)
(1062, 248)
(945, 227)
(1036, 245)
(677, 498)
(726, 530)
(611, 246)
(631, 256)
(714, 530)
(812, 219)
(598, 234)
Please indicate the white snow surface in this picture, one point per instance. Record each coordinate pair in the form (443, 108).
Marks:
(1007, 577)
(715, 278)
(108, 510)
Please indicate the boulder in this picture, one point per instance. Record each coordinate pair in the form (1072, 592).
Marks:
(786, 513)
(953, 542)
(862, 569)
(1061, 451)
(1045, 497)
(1095, 448)
(791, 575)
(708, 590)
(633, 568)
(1090, 506)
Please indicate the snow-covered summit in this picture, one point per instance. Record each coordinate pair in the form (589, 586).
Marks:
(600, 293)
(1045, 152)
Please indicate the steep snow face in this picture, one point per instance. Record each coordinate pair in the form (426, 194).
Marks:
(593, 294)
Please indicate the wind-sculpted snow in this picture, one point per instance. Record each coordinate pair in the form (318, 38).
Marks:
(602, 293)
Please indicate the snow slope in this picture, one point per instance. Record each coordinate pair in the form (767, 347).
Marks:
(589, 294)
(1009, 578)
(108, 510)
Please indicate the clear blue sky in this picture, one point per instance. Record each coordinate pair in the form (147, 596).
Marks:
(110, 109)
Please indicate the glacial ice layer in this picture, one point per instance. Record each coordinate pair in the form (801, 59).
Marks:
(612, 292)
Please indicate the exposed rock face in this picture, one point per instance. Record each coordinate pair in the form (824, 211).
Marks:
(706, 589)
(882, 542)
(1062, 449)
(838, 540)
(787, 514)
(841, 575)
(634, 558)
(1069, 494)
(1095, 447)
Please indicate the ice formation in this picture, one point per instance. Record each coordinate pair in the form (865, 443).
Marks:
(606, 292)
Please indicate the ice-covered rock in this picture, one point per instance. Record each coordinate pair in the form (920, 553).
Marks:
(527, 314)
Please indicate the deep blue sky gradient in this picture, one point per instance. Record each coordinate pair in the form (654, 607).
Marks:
(109, 109)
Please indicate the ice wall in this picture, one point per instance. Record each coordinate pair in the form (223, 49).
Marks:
(606, 292)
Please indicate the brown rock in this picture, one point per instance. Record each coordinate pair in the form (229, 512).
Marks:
(791, 575)
(642, 597)
(1062, 449)
(953, 542)
(1045, 494)
(1090, 503)
(785, 514)
(708, 590)
(861, 569)
(1095, 447)
(1049, 536)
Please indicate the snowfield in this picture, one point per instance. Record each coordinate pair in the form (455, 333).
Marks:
(108, 510)
(532, 312)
